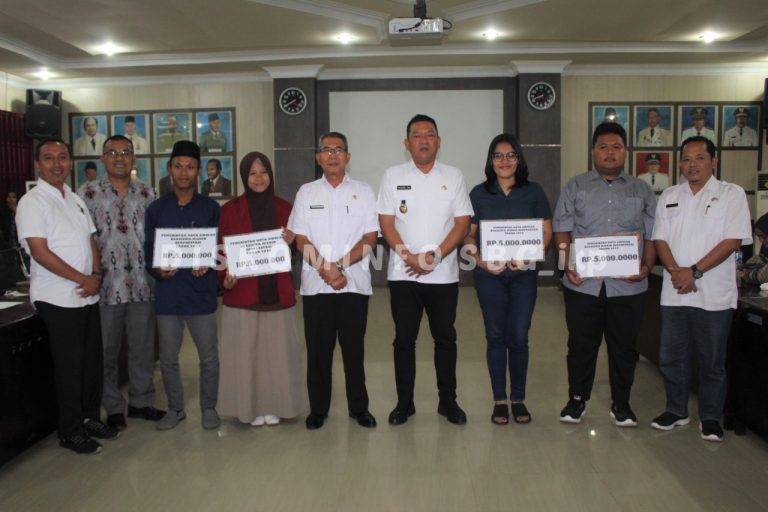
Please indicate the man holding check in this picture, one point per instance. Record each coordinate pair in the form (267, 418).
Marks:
(185, 295)
(603, 202)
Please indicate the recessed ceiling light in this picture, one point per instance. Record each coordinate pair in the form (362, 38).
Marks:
(708, 37)
(109, 48)
(491, 34)
(345, 38)
(43, 74)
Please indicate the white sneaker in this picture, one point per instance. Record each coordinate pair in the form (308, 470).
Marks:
(271, 419)
(259, 421)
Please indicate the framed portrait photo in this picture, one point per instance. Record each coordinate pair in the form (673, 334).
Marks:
(216, 177)
(136, 128)
(214, 131)
(143, 171)
(87, 133)
(653, 126)
(654, 168)
(162, 180)
(169, 128)
(698, 120)
(610, 114)
(741, 126)
(88, 170)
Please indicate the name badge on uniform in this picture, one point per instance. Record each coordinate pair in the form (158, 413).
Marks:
(403, 207)
(403, 187)
(671, 205)
(317, 207)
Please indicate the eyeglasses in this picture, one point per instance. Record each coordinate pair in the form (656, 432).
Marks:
(114, 153)
(332, 151)
(498, 157)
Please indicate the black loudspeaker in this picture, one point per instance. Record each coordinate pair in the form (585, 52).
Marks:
(43, 116)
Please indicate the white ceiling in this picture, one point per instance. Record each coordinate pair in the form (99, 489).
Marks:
(259, 38)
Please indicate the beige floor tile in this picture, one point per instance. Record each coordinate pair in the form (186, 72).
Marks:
(425, 465)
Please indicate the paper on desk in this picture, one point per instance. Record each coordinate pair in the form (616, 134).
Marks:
(14, 294)
(6, 305)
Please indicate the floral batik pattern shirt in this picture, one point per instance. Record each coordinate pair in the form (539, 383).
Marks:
(120, 238)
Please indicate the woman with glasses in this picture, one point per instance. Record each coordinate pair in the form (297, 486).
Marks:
(507, 289)
(261, 375)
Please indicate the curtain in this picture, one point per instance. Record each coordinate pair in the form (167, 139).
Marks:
(16, 158)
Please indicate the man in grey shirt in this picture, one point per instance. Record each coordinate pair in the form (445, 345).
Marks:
(603, 202)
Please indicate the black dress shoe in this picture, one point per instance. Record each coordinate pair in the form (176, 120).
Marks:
(452, 412)
(116, 422)
(364, 419)
(145, 413)
(315, 420)
(399, 415)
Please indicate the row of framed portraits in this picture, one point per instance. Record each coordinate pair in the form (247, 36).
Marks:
(153, 134)
(666, 125)
(656, 130)
(154, 172)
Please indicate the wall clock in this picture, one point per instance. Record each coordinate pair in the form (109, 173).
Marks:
(292, 101)
(541, 96)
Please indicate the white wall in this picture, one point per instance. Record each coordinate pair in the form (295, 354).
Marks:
(374, 123)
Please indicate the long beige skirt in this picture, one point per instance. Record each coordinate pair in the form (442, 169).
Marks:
(261, 370)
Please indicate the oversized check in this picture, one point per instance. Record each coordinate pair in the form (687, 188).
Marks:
(184, 248)
(607, 256)
(257, 254)
(518, 239)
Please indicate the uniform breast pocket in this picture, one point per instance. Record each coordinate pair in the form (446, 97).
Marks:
(631, 213)
(714, 218)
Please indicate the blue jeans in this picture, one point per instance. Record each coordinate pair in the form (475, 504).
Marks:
(687, 332)
(507, 302)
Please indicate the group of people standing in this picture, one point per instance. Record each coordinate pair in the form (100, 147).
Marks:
(100, 243)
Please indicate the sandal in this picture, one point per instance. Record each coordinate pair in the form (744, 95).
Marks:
(520, 413)
(500, 414)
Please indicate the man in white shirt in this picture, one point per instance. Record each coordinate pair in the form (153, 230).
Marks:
(140, 145)
(699, 225)
(91, 143)
(654, 134)
(334, 220)
(699, 128)
(55, 228)
(657, 180)
(424, 212)
(740, 134)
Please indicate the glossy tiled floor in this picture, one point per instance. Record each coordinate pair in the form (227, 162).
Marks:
(424, 465)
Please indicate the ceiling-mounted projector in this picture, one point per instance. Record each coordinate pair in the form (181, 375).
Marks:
(419, 29)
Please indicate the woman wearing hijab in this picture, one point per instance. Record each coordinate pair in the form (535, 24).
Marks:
(261, 375)
(755, 269)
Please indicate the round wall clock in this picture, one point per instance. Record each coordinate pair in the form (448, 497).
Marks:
(541, 96)
(292, 101)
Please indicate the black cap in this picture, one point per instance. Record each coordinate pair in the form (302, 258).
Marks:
(741, 112)
(130, 119)
(213, 117)
(186, 148)
(699, 112)
(652, 158)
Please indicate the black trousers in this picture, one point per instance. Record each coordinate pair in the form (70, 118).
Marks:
(78, 363)
(588, 319)
(326, 316)
(408, 301)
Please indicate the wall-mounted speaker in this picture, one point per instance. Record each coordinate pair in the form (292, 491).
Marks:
(43, 114)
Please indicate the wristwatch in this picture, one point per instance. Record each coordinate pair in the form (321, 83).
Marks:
(697, 274)
(340, 267)
(436, 258)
